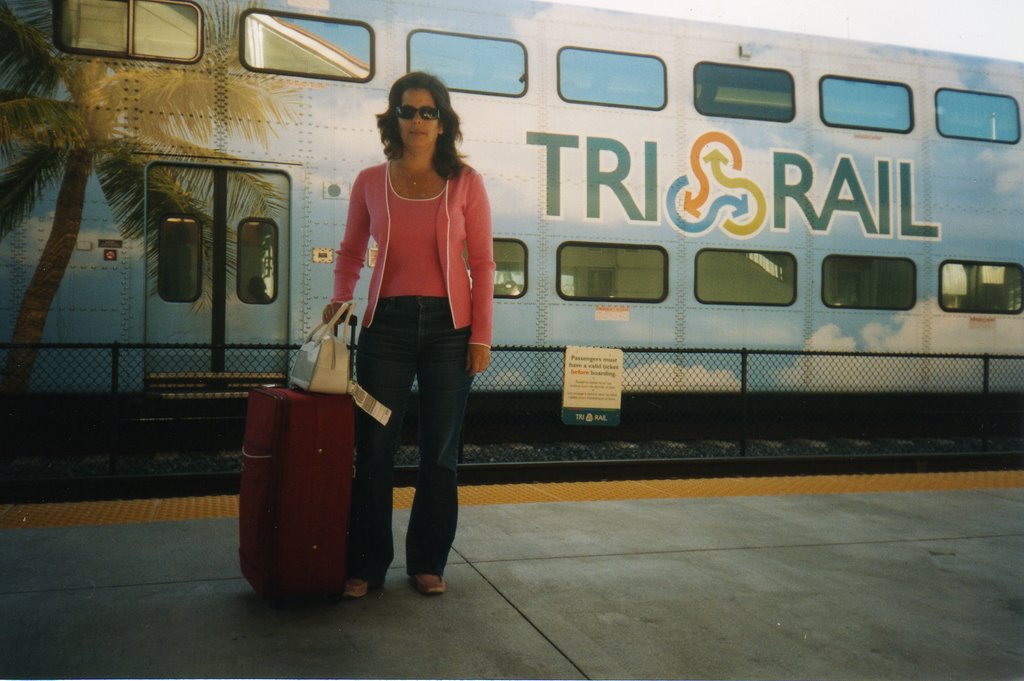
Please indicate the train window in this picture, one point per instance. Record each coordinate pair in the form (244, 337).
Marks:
(179, 260)
(257, 261)
(977, 116)
(510, 268)
(293, 44)
(623, 273)
(868, 283)
(743, 92)
(611, 78)
(980, 287)
(745, 277)
(467, 63)
(144, 29)
(866, 104)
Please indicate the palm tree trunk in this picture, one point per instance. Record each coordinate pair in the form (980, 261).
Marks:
(35, 306)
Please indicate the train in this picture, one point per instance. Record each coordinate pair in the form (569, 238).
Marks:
(177, 172)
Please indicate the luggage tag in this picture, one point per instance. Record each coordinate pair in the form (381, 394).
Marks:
(367, 403)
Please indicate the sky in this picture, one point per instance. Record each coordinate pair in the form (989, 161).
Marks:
(987, 28)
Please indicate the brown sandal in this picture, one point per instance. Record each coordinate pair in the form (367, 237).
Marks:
(429, 585)
(355, 588)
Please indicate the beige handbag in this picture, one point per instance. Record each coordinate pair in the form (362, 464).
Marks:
(324, 364)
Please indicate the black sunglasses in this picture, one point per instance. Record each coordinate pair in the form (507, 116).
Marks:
(427, 113)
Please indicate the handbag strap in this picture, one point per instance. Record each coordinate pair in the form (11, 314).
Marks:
(324, 329)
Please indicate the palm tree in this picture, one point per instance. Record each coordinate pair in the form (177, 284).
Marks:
(63, 118)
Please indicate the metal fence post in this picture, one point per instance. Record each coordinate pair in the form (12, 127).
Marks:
(115, 436)
(744, 363)
(987, 413)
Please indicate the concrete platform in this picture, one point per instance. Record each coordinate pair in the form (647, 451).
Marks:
(911, 585)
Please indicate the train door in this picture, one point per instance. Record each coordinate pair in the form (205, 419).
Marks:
(217, 273)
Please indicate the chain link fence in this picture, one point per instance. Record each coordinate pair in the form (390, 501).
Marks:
(145, 400)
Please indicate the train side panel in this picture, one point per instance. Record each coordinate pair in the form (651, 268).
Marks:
(653, 224)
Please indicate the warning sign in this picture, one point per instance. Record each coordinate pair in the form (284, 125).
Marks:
(592, 386)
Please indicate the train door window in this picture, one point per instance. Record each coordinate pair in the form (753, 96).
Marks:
(293, 44)
(990, 288)
(257, 262)
(179, 259)
(145, 29)
(977, 116)
(868, 283)
(866, 104)
(468, 63)
(510, 268)
(743, 92)
(622, 273)
(636, 81)
(745, 277)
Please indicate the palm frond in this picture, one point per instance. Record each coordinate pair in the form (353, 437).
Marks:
(37, 121)
(29, 63)
(252, 195)
(189, 104)
(259, 104)
(35, 13)
(176, 190)
(24, 181)
(121, 172)
(185, 101)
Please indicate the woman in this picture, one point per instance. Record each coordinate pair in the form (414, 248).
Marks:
(427, 319)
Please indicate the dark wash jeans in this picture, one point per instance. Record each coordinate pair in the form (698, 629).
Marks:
(411, 338)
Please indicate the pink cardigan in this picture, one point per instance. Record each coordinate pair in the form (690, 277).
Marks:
(463, 221)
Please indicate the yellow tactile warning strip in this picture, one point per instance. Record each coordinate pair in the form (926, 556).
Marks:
(190, 508)
(732, 487)
(117, 512)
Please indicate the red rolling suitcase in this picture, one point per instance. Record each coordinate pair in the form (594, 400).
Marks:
(297, 463)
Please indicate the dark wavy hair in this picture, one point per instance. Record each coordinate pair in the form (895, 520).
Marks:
(447, 159)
